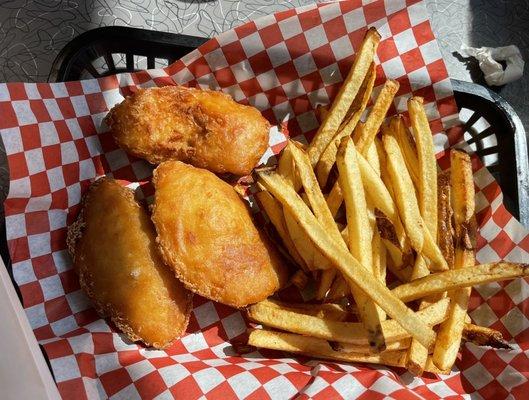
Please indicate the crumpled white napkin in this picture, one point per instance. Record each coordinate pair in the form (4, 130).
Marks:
(494, 73)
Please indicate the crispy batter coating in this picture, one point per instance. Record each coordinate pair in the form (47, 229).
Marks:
(205, 128)
(121, 270)
(207, 236)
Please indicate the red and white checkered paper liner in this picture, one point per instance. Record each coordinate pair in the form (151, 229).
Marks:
(284, 64)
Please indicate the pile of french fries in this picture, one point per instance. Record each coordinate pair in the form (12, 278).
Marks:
(365, 197)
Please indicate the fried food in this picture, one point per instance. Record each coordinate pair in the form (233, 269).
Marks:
(205, 128)
(208, 238)
(120, 268)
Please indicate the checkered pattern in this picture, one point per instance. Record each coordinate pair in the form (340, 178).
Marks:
(284, 64)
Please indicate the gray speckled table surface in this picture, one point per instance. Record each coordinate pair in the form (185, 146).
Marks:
(32, 32)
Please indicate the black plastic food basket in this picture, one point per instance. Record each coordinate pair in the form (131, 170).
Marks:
(109, 50)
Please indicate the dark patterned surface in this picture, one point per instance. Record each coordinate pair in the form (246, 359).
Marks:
(32, 32)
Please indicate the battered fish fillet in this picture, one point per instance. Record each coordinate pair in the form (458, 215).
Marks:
(121, 270)
(204, 128)
(207, 236)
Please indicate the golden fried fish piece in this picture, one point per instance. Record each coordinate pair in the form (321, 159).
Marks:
(207, 235)
(120, 268)
(205, 128)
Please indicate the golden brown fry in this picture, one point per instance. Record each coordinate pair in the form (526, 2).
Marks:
(482, 336)
(365, 136)
(318, 348)
(275, 212)
(372, 158)
(360, 235)
(120, 268)
(347, 264)
(404, 192)
(462, 189)
(433, 253)
(335, 199)
(328, 158)
(427, 189)
(310, 254)
(330, 311)
(345, 96)
(456, 279)
(402, 344)
(407, 146)
(376, 191)
(379, 257)
(444, 225)
(346, 332)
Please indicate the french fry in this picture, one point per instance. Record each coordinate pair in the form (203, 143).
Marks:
(346, 332)
(318, 348)
(379, 257)
(460, 278)
(407, 146)
(444, 224)
(310, 254)
(462, 189)
(360, 235)
(335, 199)
(482, 336)
(275, 212)
(427, 188)
(376, 191)
(372, 158)
(404, 192)
(402, 344)
(345, 96)
(364, 137)
(432, 251)
(328, 157)
(330, 311)
(345, 262)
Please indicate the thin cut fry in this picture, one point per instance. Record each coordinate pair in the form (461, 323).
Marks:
(462, 188)
(330, 311)
(328, 158)
(310, 254)
(335, 199)
(407, 146)
(364, 137)
(482, 336)
(402, 344)
(444, 225)
(347, 332)
(275, 212)
(360, 235)
(456, 279)
(379, 257)
(427, 165)
(345, 96)
(372, 158)
(375, 189)
(347, 264)
(318, 348)
(404, 193)
(432, 251)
